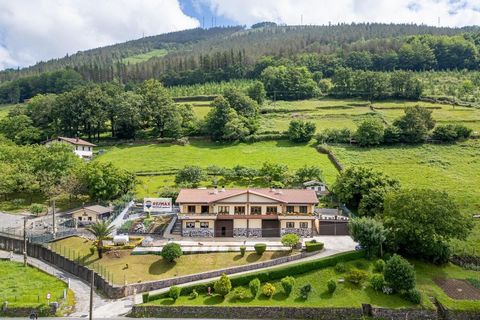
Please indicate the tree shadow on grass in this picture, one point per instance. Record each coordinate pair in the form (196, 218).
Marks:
(280, 254)
(161, 266)
(213, 300)
(167, 302)
(326, 295)
(279, 296)
(237, 257)
(253, 257)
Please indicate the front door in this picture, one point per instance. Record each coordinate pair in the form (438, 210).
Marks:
(224, 228)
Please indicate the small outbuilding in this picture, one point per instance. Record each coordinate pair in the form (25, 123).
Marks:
(319, 187)
(91, 214)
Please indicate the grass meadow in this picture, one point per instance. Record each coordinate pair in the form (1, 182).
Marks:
(144, 56)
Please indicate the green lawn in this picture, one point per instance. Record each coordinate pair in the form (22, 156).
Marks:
(153, 267)
(26, 286)
(144, 56)
(452, 168)
(168, 157)
(346, 294)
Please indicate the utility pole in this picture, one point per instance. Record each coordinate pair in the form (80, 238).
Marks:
(25, 241)
(92, 281)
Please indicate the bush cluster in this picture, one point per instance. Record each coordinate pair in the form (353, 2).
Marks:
(260, 248)
(288, 283)
(311, 246)
(268, 289)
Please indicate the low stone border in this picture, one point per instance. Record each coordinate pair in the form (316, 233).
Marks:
(281, 313)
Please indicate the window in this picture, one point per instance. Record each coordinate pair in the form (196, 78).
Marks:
(239, 210)
(256, 210)
(290, 225)
(191, 209)
(79, 218)
(290, 209)
(303, 209)
(223, 209)
(204, 225)
(303, 225)
(271, 210)
(89, 218)
(190, 225)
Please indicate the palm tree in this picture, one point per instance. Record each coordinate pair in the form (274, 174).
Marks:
(101, 230)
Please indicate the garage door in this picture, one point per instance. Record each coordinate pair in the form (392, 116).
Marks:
(332, 228)
(224, 228)
(270, 228)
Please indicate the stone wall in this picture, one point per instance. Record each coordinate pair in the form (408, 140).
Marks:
(197, 232)
(302, 232)
(296, 313)
(250, 232)
(247, 312)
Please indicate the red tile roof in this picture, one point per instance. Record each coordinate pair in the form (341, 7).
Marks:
(280, 195)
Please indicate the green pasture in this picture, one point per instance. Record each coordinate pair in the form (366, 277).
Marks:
(28, 287)
(452, 168)
(144, 56)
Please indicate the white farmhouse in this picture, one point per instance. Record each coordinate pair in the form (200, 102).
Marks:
(83, 149)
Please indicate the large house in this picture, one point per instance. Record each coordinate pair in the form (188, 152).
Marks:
(82, 148)
(246, 212)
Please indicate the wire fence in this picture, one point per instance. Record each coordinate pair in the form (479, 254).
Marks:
(83, 259)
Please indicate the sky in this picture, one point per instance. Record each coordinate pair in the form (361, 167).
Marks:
(39, 30)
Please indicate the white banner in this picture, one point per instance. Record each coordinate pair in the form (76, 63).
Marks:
(157, 204)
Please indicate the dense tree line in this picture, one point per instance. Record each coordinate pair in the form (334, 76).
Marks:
(53, 171)
(415, 126)
(221, 54)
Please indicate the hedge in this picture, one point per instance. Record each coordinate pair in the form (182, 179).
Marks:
(313, 246)
(272, 274)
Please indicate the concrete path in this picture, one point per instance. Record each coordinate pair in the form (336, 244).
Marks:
(103, 308)
(119, 221)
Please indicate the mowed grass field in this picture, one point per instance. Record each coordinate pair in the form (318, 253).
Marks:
(168, 157)
(144, 56)
(28, 287)
(124, 266)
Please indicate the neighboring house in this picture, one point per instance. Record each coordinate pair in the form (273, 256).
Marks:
(246, 212)
(319, 187)
(91, 214)
(83, 149)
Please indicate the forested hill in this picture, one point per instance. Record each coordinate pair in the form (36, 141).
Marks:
(226, 53)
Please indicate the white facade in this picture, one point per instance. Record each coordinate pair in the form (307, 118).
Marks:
(84, 152)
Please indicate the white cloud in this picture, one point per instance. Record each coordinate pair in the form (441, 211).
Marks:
(33, 30)
(451, 12)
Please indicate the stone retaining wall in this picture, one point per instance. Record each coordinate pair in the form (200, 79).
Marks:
(281, 313)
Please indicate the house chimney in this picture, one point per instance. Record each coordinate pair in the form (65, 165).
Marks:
(272, 189)
(215, 190)
(223, 189)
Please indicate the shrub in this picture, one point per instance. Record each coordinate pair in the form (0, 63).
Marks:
(145, 297)
(311, 246)
(171, 251)
(399, 274)
(268, 289)
(254, 286)
(361, 265)
(379, 266)
(240, 293)
(36, 208)
(288, 283)
(174, 292)
(290, 240)
(357, 276)
(340, 267)
(334, 135)
(301, 131)
(223, 285)
(260, 248)
(377, 282)
(242, 250)
(414, 296)
(331, 285)
(193, 294)
(305, 291)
